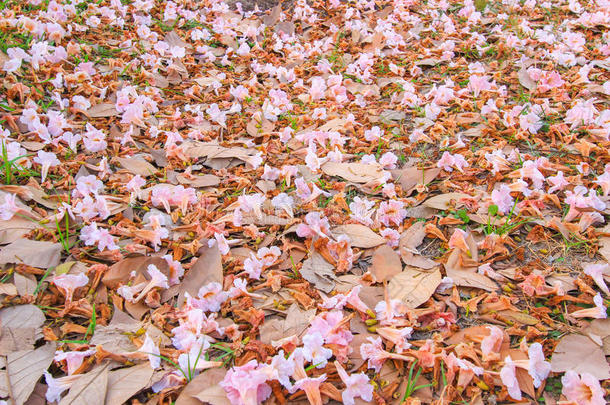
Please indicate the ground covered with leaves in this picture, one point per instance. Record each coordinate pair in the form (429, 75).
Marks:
(336, 201)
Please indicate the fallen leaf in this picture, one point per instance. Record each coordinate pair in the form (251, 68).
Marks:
(137, 165)
(47, 253)
(15, 229)
(207, 269)
(599, 329)
(385, 264)
(414, 287)
(295, 323)
(519, 317)
(214, 395)
(89, 389)
(465, 278)
(20, 327)
(8, 289)
(354, 172)
(581, 354)
(360, 236)
(118, 273)
(199, 181)
(318, 272)
(525, 80)
(410, 177)
(207, 379)
(24, 369)
(126, 382)
(444, 201)
(26, 284)
(102, 110)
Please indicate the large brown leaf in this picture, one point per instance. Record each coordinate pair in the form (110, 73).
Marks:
(21, 326)
(410, 177)
(360, 236)
(137, 165)
(204, 389)
(318, 272)
(24, 369)
(581, 354)
(126, 382)
(354, 172)
(33, 253)
(414, 287)
(295, 323)
(89, 389)
(118, 274)
(386, 264)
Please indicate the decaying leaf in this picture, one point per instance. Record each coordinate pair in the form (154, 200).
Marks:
(204, 389)
(137, 165)
(295, 323)
(410, 177)
(360, 236)
(207, 269)
(414, 287)
(444, 201)
(102, 110)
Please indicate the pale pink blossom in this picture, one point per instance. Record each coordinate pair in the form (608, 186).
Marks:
(502, 199)
(69, 283)
(596, 271)
(73, 359)
(508, 375)
(56, 386)
(361, 210)
(9, 207)
(356, 385)
(583, 390)
(376, 355)
(46, 160)
(175, 269)
(391, 212)
(597, 312)
(246, 385)
(491, 344)
(314, 351)
(399, 337)
(152, 351)
(315, 226)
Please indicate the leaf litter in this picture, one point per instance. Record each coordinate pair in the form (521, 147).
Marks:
(377, 202)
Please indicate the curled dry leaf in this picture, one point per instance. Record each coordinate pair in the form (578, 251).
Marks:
(385, 264)
(89, 389)
(409, 241)
(414, 287)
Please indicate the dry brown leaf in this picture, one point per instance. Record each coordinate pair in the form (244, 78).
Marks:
(256, 129)
(137, 165)
(195, 391)
(581, 354)
(318, 272)
(410, 177)
(102, 110)
(33, 253)
(466, 278)
(360, 236)
(118, 273)
(414, 287)
(89, 389)
(207, 269)
(199, 181)
(295, 323)
(126, 382)
(354, 172)
(599, 331)
(8, 289)
(444, 201)
(24, 369)
(14, 229)
(21, 326)
(525, 80)
(26, 284)
(519, 317)
(385, 264)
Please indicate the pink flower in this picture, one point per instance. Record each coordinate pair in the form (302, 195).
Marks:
(73, 359)
(315, 225)
(399, 337)
(152, 350)
(9, 208)
(584, 390)
(253, 266)
(56, 386)
(90, 235)
(388, 160)
(318, 87)
(69, 283)
(175, 269)
(583, 113)
(361, 210)
(356, 385)
(392, 236)
(373, 134)
(508, 375)
(502, 198)
(94, 139)
(248, 203)
(491, 344)
(375, 354)
(391, 211)
(604, 182)
(157, 280)
(314, 351)
(46, 160)
(311, 386)
(477, 84)
(388, 312)
(597, 312)
(538, 367)
(558, 182)
(216, 115)
(596, 272)
(246, 385)
(285, 202)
